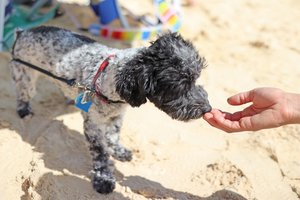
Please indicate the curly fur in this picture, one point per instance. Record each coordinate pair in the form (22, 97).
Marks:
(164, 73)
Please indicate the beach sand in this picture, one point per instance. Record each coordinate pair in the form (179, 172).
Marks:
(247, 44)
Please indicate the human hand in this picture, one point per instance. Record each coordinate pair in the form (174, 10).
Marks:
(270, 108)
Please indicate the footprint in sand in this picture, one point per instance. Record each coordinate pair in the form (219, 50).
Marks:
(223, 175)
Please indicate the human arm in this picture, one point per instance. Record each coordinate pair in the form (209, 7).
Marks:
(270, 108)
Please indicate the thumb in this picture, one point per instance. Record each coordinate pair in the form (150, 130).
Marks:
(241, 98)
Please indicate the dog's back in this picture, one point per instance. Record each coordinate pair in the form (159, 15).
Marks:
(46, 44)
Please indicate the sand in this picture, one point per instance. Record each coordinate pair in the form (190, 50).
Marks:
(247, 44)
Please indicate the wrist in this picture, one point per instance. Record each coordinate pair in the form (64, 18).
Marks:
(294, 108)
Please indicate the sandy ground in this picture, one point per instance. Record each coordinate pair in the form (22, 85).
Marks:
(247, 44)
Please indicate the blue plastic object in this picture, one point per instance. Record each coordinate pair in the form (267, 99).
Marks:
(79, 103)
(107, 10)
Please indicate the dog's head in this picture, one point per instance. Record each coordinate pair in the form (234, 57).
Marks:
(165, 73)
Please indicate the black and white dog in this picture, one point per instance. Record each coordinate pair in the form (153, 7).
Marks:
(106, 79)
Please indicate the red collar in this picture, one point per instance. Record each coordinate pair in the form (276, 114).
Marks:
(96, 88)
(101, 68)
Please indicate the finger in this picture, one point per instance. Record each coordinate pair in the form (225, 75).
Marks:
(232, 117)
(211, 121)
(219, 112)
(241, 98)
(217, 119)
(244, 113)
(226, 124)
(225, 121)
(209, 117)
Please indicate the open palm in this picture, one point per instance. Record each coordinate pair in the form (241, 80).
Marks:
(270, 108)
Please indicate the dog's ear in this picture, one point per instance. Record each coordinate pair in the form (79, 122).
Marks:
(130, 85)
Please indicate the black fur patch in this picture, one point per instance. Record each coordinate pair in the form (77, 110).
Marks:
(48, 29)
(165, 73)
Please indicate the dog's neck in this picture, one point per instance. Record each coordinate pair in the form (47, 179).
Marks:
(106, 81)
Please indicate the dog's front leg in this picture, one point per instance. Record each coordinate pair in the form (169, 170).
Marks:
(112, 135)
(103, 179)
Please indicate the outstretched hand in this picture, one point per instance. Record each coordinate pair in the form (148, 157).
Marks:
(270, 108)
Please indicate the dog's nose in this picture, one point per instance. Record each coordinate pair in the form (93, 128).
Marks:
(207, 109)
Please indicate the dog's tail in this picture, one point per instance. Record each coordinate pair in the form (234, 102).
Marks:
(17, 33)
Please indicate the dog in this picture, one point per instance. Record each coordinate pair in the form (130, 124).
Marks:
(163, 73)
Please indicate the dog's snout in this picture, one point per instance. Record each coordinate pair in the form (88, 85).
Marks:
(207, 109)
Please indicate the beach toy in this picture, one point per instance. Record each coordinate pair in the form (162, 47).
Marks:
(17, 16)
(167, 16)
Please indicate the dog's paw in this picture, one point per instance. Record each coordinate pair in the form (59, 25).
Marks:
(104, 183)
(26, 111)
(122, 154)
